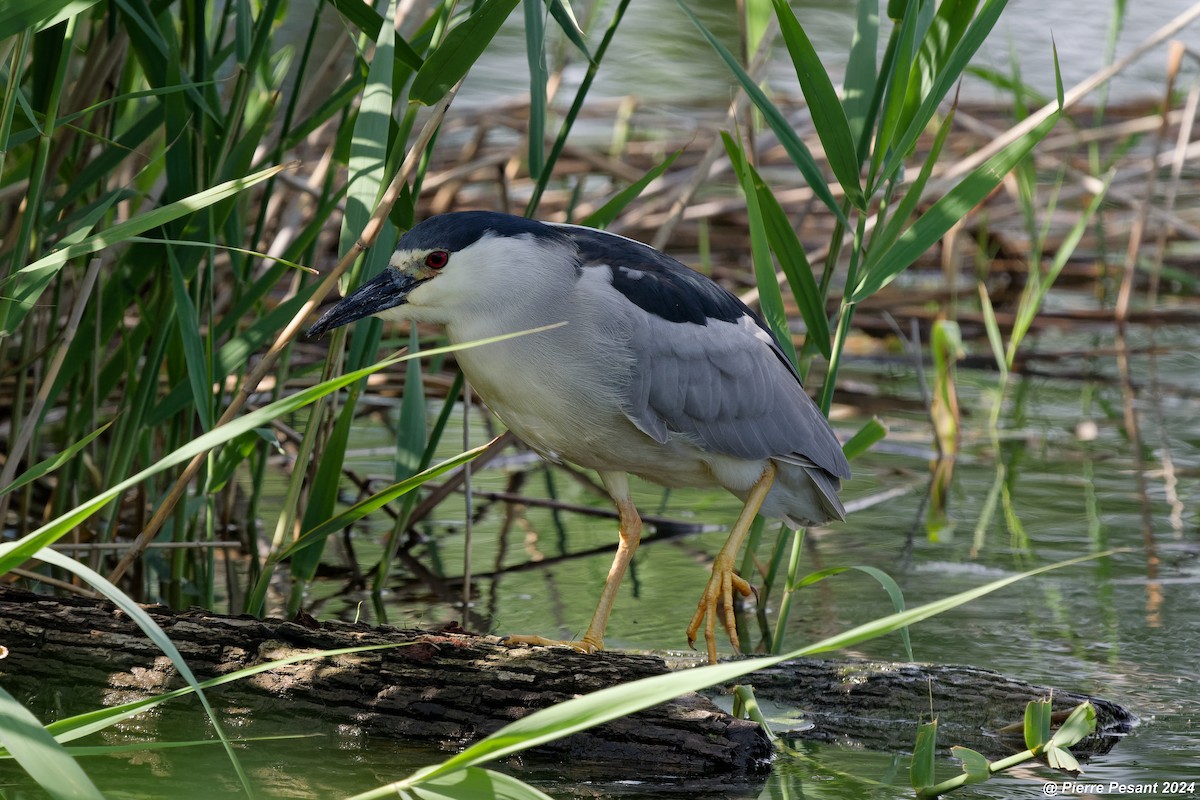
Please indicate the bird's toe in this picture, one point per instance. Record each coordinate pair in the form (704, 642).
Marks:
(587, 644)
(719, 592)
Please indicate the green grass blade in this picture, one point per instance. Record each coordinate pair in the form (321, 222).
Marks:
(599, 707)
(770, 299)
(27, 285)
(377, 501)
(1038, 714)
(234, 454)
(976, 767)
(333, 105)
(833, 129)
(44, 759)
(1061, 758)
(794, 262)
(794, 545)
(992, 327)
(922, 771)
(236, 351)
(564, 15)
(228, 248)
(535, 53)
(54, 462)
(603, 216)
(155, 634)
(795, 147)
(956, 63)
(48, 70)
(746, 706)
(475, 783)
(1080, 723)
(412, 430)
(892, 622)
(416, 444)
(581, 94)
(369, 145)
(872, 431)
(946, 348)
(908, 204)
(199, 373)
(318, 534)
(37, 15)
(13, 95)
(884, 266)
(323, 491)
(13, 553)
(1058, 81)
(364, 17)
(892, 90)
(945, 30)
(575, 715)
(98, 170)
(459, 51)
(322, 497)
(859, 85)
(243, 30)
(147, 747)
(82, 223)
(1032, 299)
(882, 578)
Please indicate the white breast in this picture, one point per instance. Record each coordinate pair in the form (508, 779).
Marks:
(561, 391)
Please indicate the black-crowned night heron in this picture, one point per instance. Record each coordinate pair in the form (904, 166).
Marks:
(658, 372)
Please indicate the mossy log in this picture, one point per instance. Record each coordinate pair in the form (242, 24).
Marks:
(447, 689)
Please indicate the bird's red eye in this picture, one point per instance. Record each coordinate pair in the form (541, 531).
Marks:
(437, 259)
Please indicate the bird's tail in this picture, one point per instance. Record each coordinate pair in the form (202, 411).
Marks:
(827, 492)
(804, 494)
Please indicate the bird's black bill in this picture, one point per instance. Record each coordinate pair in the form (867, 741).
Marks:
(386, 290)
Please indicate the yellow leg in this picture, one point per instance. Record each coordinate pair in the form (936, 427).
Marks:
(724, 581)
(630, 535)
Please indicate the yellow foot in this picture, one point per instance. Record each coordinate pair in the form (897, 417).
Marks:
(721, 585)
(584, 645)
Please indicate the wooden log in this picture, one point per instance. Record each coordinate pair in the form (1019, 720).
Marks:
(878, 705)
(447, 689)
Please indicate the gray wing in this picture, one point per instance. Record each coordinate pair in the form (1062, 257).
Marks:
(704, 365)
(726, 385)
